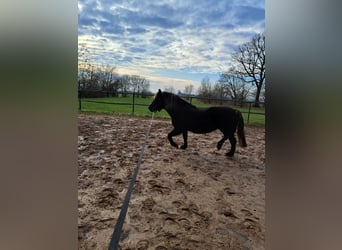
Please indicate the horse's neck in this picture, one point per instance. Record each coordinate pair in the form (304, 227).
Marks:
(170, 108)
(176, 106)
(171, 105)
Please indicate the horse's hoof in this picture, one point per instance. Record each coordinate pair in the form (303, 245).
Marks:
(229, 154)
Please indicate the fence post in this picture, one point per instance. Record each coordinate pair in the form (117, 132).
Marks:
(249, 111)
(79, 100)
(133, 103)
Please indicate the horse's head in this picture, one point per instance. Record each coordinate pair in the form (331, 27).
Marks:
(158, 102)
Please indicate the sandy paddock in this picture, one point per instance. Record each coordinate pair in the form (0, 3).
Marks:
(183, 199)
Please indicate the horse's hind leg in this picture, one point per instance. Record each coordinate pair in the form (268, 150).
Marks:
(232, 141)
(185, 137)
(171, 134)
(220, 143)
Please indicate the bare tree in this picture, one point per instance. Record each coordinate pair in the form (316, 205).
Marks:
(145, 88)
(170, 89)
(83, 64)
(138, 84)
(219, 91)
(188, 89)
(124, 85)
(87, 78)
(108, 80)
(250, 62)
(234, 86)
(205, 90)
(263, 93)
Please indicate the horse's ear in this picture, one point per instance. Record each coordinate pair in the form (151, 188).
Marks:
(159, 91)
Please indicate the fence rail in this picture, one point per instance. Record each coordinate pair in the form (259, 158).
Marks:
(209, 101)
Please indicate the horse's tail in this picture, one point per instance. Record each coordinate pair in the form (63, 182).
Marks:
(240, 131)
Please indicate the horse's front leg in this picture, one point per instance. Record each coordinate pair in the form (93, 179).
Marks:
(171, 134)
(185, 137)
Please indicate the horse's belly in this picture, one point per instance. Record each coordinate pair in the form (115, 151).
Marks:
(200, 125)
(202, 130)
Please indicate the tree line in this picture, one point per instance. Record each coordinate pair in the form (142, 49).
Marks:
(103, 81)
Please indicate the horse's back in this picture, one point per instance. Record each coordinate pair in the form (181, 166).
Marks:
(205, 120)
(196, 120)
(221, 109)
(224, 117)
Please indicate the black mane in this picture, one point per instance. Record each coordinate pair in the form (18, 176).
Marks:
(178, 100)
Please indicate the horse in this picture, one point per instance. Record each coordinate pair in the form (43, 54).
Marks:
(187, 117)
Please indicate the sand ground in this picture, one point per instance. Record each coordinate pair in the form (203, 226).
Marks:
(196, 198)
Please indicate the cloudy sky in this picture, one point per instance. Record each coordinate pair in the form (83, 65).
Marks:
(169, 42)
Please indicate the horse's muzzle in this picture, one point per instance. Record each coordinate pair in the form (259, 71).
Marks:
(151, 108)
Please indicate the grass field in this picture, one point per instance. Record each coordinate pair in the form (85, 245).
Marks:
(123, 106)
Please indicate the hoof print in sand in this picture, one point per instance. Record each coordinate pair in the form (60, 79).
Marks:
(142, 245)
(148, 204)
(155, 187)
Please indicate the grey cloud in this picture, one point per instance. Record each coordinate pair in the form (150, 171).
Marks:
(137, 50)
(248, 15)
(137, 30)
(160, 42)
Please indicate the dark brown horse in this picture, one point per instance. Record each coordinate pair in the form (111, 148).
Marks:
(186, 117)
